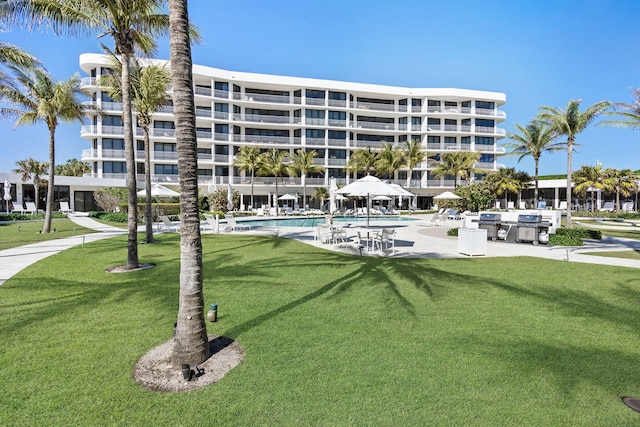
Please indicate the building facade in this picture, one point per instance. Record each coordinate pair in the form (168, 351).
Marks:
(333, 118)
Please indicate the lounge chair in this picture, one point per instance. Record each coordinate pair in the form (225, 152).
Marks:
(209, 223)
(31, 207)
(232, 224)
(608, 207)
(166, 224)
(18, 207)
(385, 238)
(324, 233)
(64, 208)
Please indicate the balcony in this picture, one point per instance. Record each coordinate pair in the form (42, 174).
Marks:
(315, 141)
(337, 142)
(261, 118)
(373, 125)
(204, 91)
(86, 82)
(163, 133)
(337, 162)
(221, 158)
(201, 134)
(373, 106)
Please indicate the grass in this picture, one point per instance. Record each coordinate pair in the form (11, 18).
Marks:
(19, 233)
(330, 339)
(616, 254)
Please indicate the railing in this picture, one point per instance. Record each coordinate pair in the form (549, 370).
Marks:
(337, 162)
(201, 112)
(257, 139)
(484, 165)
(164, 155)
(88, 81)
(201, 134)
(314, 122)
(337, 123)
(204, 156)
(373, 125)
(261, 118)
(221, 158)
(315, 141)
(337, 103)
(219, 93)
(315, 101)
(220, 115)
(164, 133)
(374, 106)
(205, 91)
(338, 142)
(114, 175)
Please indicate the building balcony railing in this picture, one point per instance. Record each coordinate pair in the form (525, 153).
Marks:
(218, 93)
(114, 175)
(261, 118)
(337, 103)
(203, 134)
(163, 133)
(337, 162)
(373, 125)
(201, 112)
(221, 115)
(204, 91)
(337, 142)
(377, 107)
(221, 158)
(206, 157)
(337, 123)
(315, 141)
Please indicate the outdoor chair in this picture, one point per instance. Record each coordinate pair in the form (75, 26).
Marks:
(209, 223)
(31, 207)
(324, 233)
(364, 241)
(166, 224)
(64, 208)
(18, 207)
(232, 224)
(385, 239)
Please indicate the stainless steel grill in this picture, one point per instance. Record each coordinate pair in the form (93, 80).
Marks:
(490, 222)
(531, 228)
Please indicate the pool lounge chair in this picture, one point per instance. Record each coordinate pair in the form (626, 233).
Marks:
(31, 207)
(18, 207)
(232, 224)
(166, 224)
(64, 208)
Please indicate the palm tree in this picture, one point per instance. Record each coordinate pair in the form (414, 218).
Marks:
(73, 167)
(322, 194)
(389, 160)
(620, 182)
(149, 86)
(570, 122)
(628, 113)
(133, 25)
(534, 139)
(36, 97)
(191, 344)
(504, 181)
(302, 163)
(362, 160)
(273, 164)
(11, 55)
(32, 169)
(522, 180)
(458, 164)
(589, 177)
(413, 156)
(248, 160)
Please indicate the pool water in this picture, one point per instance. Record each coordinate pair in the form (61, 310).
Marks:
(314, 221)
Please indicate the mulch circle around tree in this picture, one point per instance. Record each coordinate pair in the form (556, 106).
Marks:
(155, 372)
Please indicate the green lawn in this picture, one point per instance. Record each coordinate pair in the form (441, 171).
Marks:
(330, 339)
(18, 233)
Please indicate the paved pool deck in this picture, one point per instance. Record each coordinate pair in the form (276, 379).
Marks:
(413, 239)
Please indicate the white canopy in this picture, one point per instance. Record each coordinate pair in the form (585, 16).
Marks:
(158, 190)
(366, 187)
(447, 195)
(288, 197)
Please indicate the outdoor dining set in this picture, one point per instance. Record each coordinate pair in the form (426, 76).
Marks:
(369, 239)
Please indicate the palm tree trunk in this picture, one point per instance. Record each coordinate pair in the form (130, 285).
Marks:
(252, 174)
(50, 189)
(304, 189)
(147, 185)
(535, 192)
(569, 155)
(190, 344)
(129, 152)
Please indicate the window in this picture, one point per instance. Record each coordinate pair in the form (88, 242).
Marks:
(486, 123)
(315, 133)
(318, 94)
(164, 146)
(113, 144)
(432, 139)
(222, 150)
(165, 169)
(485, 105)
(104, 97)
(205, 172)
(337, 134)
(222, 128)
(337, 154)
(204, 150)
(222, 108)
(160, 124)
(222, 170)
(114, 167)
(486, 158)
(221, 86)
(431, 103)
(112, 121)
(449, 141)
(337, 115)
(484, 140)
(314, 114)
(338, 96)
(266, 132)
(417, 121)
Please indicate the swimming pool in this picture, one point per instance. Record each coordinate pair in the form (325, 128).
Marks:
(314, 221)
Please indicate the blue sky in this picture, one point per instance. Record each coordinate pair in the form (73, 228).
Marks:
(543, 52)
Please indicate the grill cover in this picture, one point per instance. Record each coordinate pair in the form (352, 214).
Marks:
(529, 219)
(489, 218)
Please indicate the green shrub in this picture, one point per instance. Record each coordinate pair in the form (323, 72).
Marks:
(120, 217)
(565, 240)
(579, 233)
(452, 232)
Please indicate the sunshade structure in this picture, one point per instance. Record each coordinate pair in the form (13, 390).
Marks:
(158, 190)
(288, 197)
(447, 195)
(333, 187)
(366, 187)
(7, 193)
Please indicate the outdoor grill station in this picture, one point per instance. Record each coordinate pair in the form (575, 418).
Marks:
(532, 226)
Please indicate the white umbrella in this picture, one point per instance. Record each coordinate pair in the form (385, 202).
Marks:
(366, 187)
(7, 193)
(447, 195)
(380, 198)
(288, 197)
(332, 195)
(158, 190)
(229, 197)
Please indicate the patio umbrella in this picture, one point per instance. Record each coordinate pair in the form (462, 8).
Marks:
(7, 193)
(229, 197)
(447, 195)
(332, 195)
(366, 187)
(287, 197)
(158, 190)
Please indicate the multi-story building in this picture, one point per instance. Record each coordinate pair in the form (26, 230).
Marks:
(333, 118)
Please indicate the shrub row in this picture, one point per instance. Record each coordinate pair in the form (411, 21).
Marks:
(580, 233)
(28, 217)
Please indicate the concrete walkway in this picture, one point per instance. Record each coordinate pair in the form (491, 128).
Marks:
(411, 240)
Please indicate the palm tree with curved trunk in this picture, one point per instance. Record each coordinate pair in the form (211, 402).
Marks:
(191, 344)
(389, 159)
(628, 113)
(35, 97)
(31, 169)
(589, 177)
(621, 182)
(133, 26)
(533, 140)
(302, 164)
(149, 86)
(413, 156)
(273, 164)
(248, 159)
(362, 160)
(570, 122)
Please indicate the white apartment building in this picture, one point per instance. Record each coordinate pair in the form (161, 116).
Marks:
(334, 118)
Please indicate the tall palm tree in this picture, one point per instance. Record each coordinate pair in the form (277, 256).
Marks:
(628, 113)
(190, 343)
(73, 167)
(322, 194)
(533, 139)
(389, 159)
(459, 164)
(149, 86)
(621, 182)
(589, 177)
(570, 122)
(302, 164)
(11, 55)
(413, 156)
(31, 169)
(248, 160)
(362, 160)
(35, 97)
(133, 25)
(273, 164)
